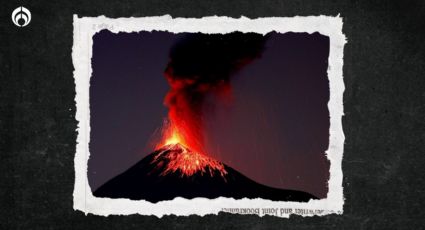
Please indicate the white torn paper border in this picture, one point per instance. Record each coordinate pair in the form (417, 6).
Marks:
(86, 27)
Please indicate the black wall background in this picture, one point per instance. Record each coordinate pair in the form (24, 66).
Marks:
(384, 62)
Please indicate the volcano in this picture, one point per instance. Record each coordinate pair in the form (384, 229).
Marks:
(176, 171)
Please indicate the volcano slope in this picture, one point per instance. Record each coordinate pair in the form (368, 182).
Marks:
(174, 171)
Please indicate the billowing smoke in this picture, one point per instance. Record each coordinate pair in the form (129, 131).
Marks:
(200, 65)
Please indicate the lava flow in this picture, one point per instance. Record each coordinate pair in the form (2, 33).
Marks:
(178, 158)
(175, 156)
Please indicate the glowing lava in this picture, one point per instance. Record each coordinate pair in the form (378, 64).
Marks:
(178, 158)
(178, 154)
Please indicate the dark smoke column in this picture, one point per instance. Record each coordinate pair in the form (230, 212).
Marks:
(202, 64)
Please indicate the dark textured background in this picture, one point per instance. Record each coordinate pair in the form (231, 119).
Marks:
(384, 114)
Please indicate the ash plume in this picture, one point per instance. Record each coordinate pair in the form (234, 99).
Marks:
(203, 64)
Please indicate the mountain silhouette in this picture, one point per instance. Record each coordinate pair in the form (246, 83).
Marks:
(175, 171)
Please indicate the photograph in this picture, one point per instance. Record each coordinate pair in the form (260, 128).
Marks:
(209, 115)
(181, 112)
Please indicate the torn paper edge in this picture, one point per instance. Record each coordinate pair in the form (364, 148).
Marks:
(86, 27)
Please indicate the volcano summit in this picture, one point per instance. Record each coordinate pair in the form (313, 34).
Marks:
(176, 171)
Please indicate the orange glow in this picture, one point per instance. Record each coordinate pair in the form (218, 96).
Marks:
(171, 135)
(178, 158)
(177, 155)
(175, 138)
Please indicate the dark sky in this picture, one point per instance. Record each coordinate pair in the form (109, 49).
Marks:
(275, 131)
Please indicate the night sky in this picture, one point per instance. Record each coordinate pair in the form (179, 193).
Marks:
(275, 130)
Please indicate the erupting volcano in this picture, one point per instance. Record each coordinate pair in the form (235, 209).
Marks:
(200, 65)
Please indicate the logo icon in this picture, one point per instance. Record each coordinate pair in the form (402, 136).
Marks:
(21, 16)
